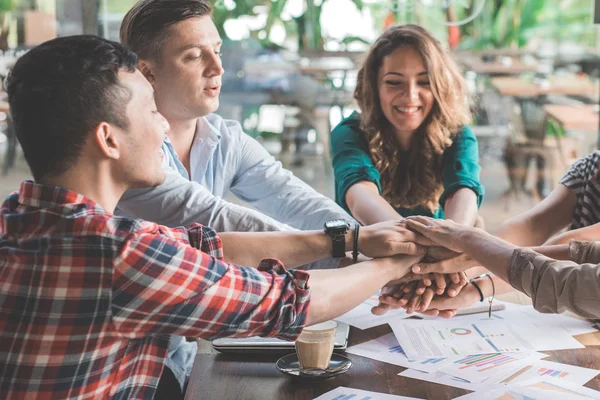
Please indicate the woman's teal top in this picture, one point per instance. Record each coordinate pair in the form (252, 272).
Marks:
(352, 164)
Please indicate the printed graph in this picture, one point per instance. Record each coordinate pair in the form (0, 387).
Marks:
(553, 388)
(555, 373)
(351, 396)
(552, 372)
(461, 331)
(398, 350)
(489, 336)
(485, 362)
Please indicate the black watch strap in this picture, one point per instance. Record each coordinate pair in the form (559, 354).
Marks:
(338, 243)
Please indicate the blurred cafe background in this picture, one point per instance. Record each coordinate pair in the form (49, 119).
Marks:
(532, 68)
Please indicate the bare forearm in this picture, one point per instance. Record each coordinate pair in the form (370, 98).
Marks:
(590, 233)
(519, 230)
(335, 292)
(536, 226)
(557, 252)
(491, 252)
(291, 248)
(367, 205)
(461, 207)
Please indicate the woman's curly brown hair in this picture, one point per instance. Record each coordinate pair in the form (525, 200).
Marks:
(411, 178)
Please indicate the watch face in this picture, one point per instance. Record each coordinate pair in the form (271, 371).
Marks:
(336, 224)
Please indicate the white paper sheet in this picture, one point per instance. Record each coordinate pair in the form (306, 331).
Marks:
(443, 379)
(428, 339)
(387, 349)
(362, 318)
(545, 390)
(344, 393)
(548, 370)
(518, 312)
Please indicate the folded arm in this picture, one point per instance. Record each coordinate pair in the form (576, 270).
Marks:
(178, 201)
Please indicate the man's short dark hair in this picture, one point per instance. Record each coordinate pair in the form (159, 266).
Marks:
(147, 24)
(60, 91)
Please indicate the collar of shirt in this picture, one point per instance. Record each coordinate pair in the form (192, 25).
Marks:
(206, 140)
(37, 195)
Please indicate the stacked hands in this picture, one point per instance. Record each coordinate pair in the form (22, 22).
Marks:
(436, 284)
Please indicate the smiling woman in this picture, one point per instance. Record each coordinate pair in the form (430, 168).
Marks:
(409, 151)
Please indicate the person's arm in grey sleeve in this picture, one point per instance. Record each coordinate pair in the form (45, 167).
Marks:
(556, 286)
(178, 201)
(263, 183)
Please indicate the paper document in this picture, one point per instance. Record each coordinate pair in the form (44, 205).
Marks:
(362, 318)
(428, 339)
(535, 391)
(387, 349)
(443, 379)
(548, 370)
(518, 312)
(344, 393)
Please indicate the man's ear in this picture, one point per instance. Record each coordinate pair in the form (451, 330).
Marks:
(106, 141)
(147, 69)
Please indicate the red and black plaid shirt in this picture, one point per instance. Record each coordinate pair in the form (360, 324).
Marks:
(88, 300)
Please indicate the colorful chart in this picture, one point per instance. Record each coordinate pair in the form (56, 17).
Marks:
(350, 396)
(398, 350)
(461, 331)
(552, 372)
(540, 372)
(485, 362)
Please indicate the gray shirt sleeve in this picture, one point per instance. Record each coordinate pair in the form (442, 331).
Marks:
(262, 182)
(178, 201)
(556, 286)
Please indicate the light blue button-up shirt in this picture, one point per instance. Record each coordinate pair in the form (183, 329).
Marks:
(224, 159)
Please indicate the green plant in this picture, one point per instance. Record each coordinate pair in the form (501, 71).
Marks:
(307, 26)
(513, 23)
(6, 9)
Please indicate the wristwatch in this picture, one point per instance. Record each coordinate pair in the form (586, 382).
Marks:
(337, 229)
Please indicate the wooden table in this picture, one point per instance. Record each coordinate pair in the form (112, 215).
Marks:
(231, 377)
(565, 85)
(574, 118)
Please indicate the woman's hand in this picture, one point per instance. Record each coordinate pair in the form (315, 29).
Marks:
(443, 232)
(389, 238)
(460, 262)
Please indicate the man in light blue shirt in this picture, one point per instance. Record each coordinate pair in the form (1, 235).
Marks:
(205, 156)
(179, 49)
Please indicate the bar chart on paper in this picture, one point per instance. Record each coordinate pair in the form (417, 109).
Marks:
(431, 339)
(478, 368)
(534, 391)
(551, 371)
(387, 349)
(344, 393)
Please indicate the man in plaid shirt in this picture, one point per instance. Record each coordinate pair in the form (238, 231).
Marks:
(88, 300)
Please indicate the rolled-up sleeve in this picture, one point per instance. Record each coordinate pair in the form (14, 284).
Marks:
(556, 286)
(460, 166)
(582, 251)
(164, 286)
(350, 159)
